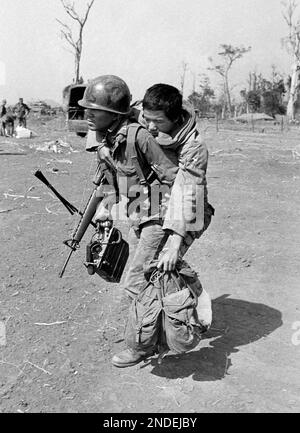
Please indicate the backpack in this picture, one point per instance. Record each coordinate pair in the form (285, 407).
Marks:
(164, 315)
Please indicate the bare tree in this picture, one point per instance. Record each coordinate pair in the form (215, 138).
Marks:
(292, 44)
(194, 81)
(229, 54)
(184, 66)
(66, 33)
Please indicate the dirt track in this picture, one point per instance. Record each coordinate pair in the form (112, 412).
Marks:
(248, 260)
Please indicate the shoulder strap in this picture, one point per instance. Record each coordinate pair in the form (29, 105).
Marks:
(136, 156)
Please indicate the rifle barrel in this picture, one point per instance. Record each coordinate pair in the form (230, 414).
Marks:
(65, 264)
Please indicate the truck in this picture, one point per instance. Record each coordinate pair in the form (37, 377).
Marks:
(75, 114)
(40, 108)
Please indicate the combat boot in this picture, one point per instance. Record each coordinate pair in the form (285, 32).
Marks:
(128, 358)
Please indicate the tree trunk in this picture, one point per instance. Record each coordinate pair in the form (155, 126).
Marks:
(77, 64)
(77, 69)
(182, 78)
(227, 95)
(223, 111)
(293, 94)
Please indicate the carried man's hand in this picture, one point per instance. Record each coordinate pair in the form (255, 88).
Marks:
(169, 259)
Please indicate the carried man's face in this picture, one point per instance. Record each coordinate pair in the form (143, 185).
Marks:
(157, 122)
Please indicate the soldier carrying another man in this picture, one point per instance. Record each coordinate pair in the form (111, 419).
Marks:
(154, 226)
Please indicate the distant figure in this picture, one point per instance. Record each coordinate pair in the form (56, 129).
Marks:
(9, 123)
(3, 117)
(21, 111)
(3, 108)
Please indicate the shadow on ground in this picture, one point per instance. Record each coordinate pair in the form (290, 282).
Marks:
(236, 323)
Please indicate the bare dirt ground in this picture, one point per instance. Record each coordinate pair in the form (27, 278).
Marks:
(61, 333)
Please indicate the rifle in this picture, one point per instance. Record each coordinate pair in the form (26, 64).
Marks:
(107, 253)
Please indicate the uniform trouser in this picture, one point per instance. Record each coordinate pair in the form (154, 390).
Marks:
(145, 245)
(22, 121)
(9, 128)
(3, 128)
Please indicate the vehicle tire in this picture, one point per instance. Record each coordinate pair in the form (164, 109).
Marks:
(81, 134)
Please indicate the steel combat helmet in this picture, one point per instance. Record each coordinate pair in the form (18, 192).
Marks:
(108, 93)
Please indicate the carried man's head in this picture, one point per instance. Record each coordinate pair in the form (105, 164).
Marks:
(106, 99)
(162, 109)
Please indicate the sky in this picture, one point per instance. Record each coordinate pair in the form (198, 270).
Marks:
(142, 41)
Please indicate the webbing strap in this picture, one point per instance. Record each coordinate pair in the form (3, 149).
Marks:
(131, 141)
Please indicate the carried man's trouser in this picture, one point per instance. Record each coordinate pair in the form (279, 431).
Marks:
(146, 244)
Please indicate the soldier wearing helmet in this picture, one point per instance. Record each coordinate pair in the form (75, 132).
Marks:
(107, 100)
